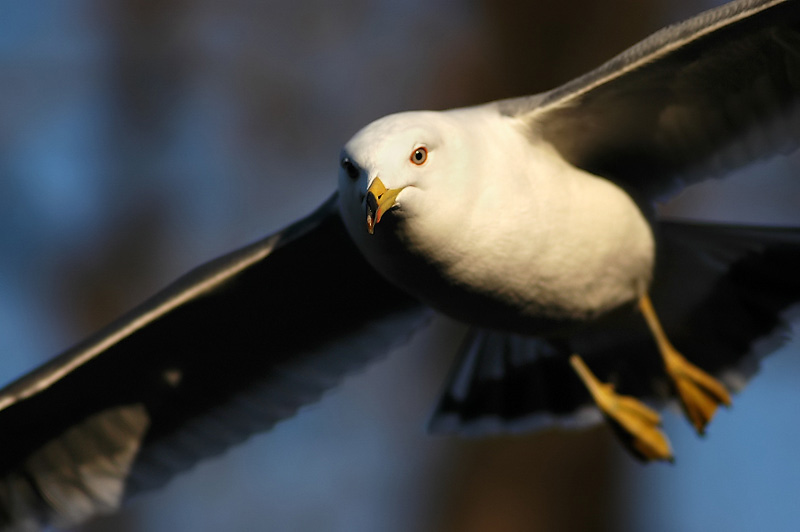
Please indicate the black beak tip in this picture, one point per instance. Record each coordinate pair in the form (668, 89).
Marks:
(372, 202)
(372, 211)
(372, 205)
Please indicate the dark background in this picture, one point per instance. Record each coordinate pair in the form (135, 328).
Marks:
(138, 139)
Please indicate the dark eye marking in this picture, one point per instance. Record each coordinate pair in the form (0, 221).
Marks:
(352, 170)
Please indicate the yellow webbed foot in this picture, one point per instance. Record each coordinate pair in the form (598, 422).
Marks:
(700, 393)
(636, 424)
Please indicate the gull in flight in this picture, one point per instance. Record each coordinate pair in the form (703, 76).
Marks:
(530, 219)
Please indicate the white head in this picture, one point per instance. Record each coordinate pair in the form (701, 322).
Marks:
(388, 169)
(412, 188)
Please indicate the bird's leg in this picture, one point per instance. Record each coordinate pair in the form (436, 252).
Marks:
(700, 393)
(636, 424)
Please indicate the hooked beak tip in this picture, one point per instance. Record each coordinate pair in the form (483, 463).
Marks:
(378, 201)
(372, 212)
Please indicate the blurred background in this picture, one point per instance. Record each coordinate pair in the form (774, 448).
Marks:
(138, 139)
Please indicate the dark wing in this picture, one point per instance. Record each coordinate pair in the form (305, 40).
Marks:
(693, 100)
(724, 293)
(228, 350)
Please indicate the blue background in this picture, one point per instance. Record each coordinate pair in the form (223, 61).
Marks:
(138, 141)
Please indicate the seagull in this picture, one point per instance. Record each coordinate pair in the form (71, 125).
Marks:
(530, 219)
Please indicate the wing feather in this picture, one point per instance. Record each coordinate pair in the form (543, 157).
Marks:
(692, 101)
(228, 350)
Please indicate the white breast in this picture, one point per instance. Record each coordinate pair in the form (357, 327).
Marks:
(511, 234)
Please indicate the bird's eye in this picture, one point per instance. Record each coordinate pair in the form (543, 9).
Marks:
(350, 168)
(419, 156)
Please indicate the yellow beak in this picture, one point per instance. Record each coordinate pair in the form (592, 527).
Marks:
(379, 200)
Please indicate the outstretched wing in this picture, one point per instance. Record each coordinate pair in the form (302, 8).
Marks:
(228, 350)
(692, 101)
